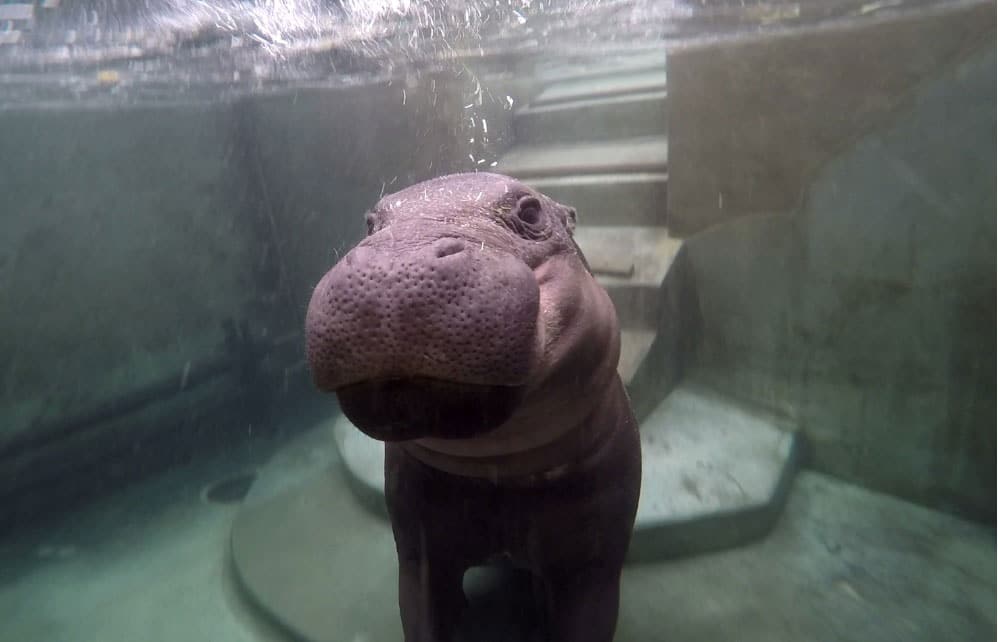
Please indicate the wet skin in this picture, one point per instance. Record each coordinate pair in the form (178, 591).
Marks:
(467, 332)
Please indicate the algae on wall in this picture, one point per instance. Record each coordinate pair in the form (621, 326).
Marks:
(898, 300)
(869, 316)
(121, 253)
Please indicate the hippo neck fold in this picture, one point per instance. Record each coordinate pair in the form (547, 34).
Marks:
(548, 460)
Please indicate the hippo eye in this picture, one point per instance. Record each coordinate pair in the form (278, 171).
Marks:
(372, 223)
(528, 210)
(527, 219)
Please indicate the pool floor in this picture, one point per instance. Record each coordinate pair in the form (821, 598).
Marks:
(152, 563)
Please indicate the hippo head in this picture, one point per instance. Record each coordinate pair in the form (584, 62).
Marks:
(436, 324)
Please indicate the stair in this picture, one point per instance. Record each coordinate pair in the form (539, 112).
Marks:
(595, 118)
(642, 154)
(619, 83)
(557, 70)
(606, 199)
(715, 473)
(631, 262)
(594, 139)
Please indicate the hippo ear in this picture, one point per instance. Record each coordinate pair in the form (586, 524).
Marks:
(571, 218)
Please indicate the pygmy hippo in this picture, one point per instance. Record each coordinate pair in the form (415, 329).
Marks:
(467, 331)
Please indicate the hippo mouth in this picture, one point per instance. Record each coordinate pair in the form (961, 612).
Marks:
(412, 408)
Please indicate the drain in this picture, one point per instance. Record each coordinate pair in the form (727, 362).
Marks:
(230, 490)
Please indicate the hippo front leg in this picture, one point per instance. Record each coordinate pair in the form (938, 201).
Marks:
(435, 545)
(431, 598)
(582, 605)
(578, 540)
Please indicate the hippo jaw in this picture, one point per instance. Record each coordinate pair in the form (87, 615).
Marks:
(431, 326)
(404, 409)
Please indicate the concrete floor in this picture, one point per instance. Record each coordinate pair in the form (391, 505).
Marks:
(151, 563)
(148, 563)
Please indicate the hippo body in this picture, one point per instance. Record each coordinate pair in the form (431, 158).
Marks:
(468, 333)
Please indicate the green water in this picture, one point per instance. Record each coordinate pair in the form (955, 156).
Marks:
(790, 203)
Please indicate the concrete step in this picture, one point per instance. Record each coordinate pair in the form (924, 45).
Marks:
(600, 65)
(603, 86)
(634, 198)
(631, 262)
(634, 346)
(715, 474)
(592, 118)
(647, 154)
(364, 457)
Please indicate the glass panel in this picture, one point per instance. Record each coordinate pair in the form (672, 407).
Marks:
(497, 320)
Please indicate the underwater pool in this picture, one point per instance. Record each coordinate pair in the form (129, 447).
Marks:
(711, 297)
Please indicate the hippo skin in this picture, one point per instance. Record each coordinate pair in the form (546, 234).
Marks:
(468, 333)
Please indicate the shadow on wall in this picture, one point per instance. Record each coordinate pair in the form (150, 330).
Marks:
(869, 317)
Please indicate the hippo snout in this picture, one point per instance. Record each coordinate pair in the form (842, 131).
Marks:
(447, 310)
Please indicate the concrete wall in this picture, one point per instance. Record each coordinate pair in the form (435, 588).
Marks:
(868, 317)
(121, 252)
(130, 236)
(816, 90)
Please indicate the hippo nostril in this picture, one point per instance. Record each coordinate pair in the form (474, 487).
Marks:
(446, 247)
